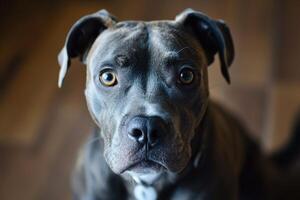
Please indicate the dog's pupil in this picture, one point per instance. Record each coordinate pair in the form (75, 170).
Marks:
(108, 77)
(186, 76)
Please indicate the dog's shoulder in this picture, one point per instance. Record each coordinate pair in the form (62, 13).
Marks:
(226, 122)
(92, 177)
(231, 136)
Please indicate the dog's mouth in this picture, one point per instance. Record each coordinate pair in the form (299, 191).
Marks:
(145, 166)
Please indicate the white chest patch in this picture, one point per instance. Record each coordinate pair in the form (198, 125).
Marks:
(144, 193)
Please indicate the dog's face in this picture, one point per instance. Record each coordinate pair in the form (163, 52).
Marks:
(147, 85)
(146, 93)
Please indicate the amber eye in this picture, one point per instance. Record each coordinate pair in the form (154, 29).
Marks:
(186, 76)
(108, 78)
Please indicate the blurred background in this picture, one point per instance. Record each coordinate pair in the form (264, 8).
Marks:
(42, 127)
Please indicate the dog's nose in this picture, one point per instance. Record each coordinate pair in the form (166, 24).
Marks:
(146, 130)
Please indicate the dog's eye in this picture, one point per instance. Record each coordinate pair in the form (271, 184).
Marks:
(186, 76)
(108, 78)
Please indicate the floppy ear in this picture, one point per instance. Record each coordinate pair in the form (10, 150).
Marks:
(80, 38)
(213, 35)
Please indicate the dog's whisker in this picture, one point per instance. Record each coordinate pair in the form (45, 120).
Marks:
(90, 142)
(182, 49)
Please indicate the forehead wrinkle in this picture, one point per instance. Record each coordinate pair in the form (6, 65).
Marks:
(177, 55)
(172, 54)
(124, 42)
(170, 43)
(129, 38)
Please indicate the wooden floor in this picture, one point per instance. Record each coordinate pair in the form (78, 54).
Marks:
(42, 127)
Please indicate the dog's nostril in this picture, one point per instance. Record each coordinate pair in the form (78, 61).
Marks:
(153, 137)
(137, 134)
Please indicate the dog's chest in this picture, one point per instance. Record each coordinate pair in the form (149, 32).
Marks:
(141, 192)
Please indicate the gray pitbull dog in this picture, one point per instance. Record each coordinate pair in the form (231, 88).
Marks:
(159, 135)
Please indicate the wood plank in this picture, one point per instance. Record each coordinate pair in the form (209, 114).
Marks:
(18, 38)
(283, 104)
(287, 65)
(24, 105)
(255, 39)
(28, 171)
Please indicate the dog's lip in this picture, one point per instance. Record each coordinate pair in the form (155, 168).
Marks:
(143, 164)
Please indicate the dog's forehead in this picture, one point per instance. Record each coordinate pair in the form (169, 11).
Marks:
(135, 38)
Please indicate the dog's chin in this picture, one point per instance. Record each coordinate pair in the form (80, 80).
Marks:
(147, 171)
(156, 162)
(144, 167)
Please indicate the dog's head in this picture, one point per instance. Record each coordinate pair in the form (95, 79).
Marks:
(147, 85)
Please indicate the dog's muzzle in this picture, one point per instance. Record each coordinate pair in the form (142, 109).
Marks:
(145, 134)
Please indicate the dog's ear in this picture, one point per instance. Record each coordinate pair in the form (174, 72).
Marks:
(80, 38)
(213, 35)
